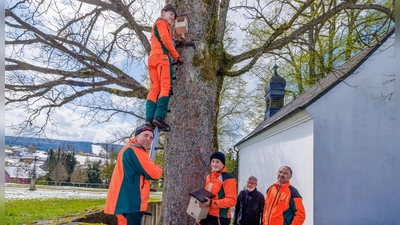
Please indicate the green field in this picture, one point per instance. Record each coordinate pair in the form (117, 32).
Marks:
(32, 210)
(28, 211)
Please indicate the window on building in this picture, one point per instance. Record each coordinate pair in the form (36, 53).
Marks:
(277, 103)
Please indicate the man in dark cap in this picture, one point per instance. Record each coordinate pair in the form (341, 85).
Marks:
(220, 183)
(169, 7)
(129, 189)
(160, 68)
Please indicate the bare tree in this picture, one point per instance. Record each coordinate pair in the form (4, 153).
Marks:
(79, 176)
(59, 173)
(32, 148)
(68, 53)
(33, 176)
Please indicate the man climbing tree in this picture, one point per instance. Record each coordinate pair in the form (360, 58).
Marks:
(160, 68)
(81, 54)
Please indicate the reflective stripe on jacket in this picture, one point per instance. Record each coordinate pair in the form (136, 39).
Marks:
(129, 189)
(224, 187)
(162, 31)
(283, 206)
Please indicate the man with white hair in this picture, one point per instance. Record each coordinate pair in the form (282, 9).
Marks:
(249, 205)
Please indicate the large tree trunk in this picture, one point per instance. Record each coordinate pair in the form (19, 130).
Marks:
(193, 119)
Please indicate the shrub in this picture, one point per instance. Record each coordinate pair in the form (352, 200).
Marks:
(15, 181)
(41, 182)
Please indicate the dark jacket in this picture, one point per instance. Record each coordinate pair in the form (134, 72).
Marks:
(249, 208)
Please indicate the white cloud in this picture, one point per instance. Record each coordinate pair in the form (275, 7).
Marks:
(69, 126)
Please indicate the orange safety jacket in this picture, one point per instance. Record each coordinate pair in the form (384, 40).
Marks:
(129, 189)
(161, 39)
(224, 187)
(283, 206)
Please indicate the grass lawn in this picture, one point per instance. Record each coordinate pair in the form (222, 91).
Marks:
(32, 210)
(28, 211)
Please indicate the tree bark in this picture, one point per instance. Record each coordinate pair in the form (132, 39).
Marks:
(32, 187)
(193, 120)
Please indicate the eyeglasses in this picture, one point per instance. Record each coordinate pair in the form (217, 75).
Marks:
(251, 182)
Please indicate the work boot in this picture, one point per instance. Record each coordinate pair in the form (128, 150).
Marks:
(149, 122)
(160, 123)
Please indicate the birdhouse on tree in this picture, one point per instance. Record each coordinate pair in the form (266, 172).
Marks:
(181, 25)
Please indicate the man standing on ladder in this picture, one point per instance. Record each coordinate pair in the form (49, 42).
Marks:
(160, 69)
(129, 189)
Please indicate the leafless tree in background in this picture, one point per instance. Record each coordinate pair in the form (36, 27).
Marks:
(78, 54)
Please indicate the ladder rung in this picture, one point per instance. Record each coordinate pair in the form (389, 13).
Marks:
(158, 148)
(147, 213)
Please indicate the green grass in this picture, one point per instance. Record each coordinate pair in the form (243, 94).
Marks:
(32, 210)
(28, 211)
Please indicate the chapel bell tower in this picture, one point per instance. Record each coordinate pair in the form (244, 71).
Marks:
(274, 94)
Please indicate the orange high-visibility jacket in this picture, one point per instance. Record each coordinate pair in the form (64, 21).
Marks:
(162, 30)
(283, 206)
(129, 189)
(224, 187)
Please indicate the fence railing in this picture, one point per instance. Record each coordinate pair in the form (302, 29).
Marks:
(155, 184)
(70, 184)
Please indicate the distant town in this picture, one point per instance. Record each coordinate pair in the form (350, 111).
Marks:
(23, 157)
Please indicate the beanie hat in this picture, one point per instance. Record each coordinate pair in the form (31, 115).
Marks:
(169, 7)
(218, 155)
(143, 128)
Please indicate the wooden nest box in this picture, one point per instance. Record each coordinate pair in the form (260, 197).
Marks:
(195, 211)
(182, 25)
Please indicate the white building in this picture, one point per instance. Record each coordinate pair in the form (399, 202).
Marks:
(338, 138)
(22, 172)
(98, 150)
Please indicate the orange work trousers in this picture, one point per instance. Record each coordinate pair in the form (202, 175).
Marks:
(129, 218)
(161, 72)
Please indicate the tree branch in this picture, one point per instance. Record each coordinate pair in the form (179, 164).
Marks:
(379, 8)
(273, 44)
(223, 12)
(255, 54)
(123, 79)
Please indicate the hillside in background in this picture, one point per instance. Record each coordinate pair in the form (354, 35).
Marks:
(46, 144)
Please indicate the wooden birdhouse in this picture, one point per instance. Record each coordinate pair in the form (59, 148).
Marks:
(195, 211)
(182, 25)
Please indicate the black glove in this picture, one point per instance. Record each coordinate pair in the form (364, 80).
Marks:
(182, 41)
(180, 60)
